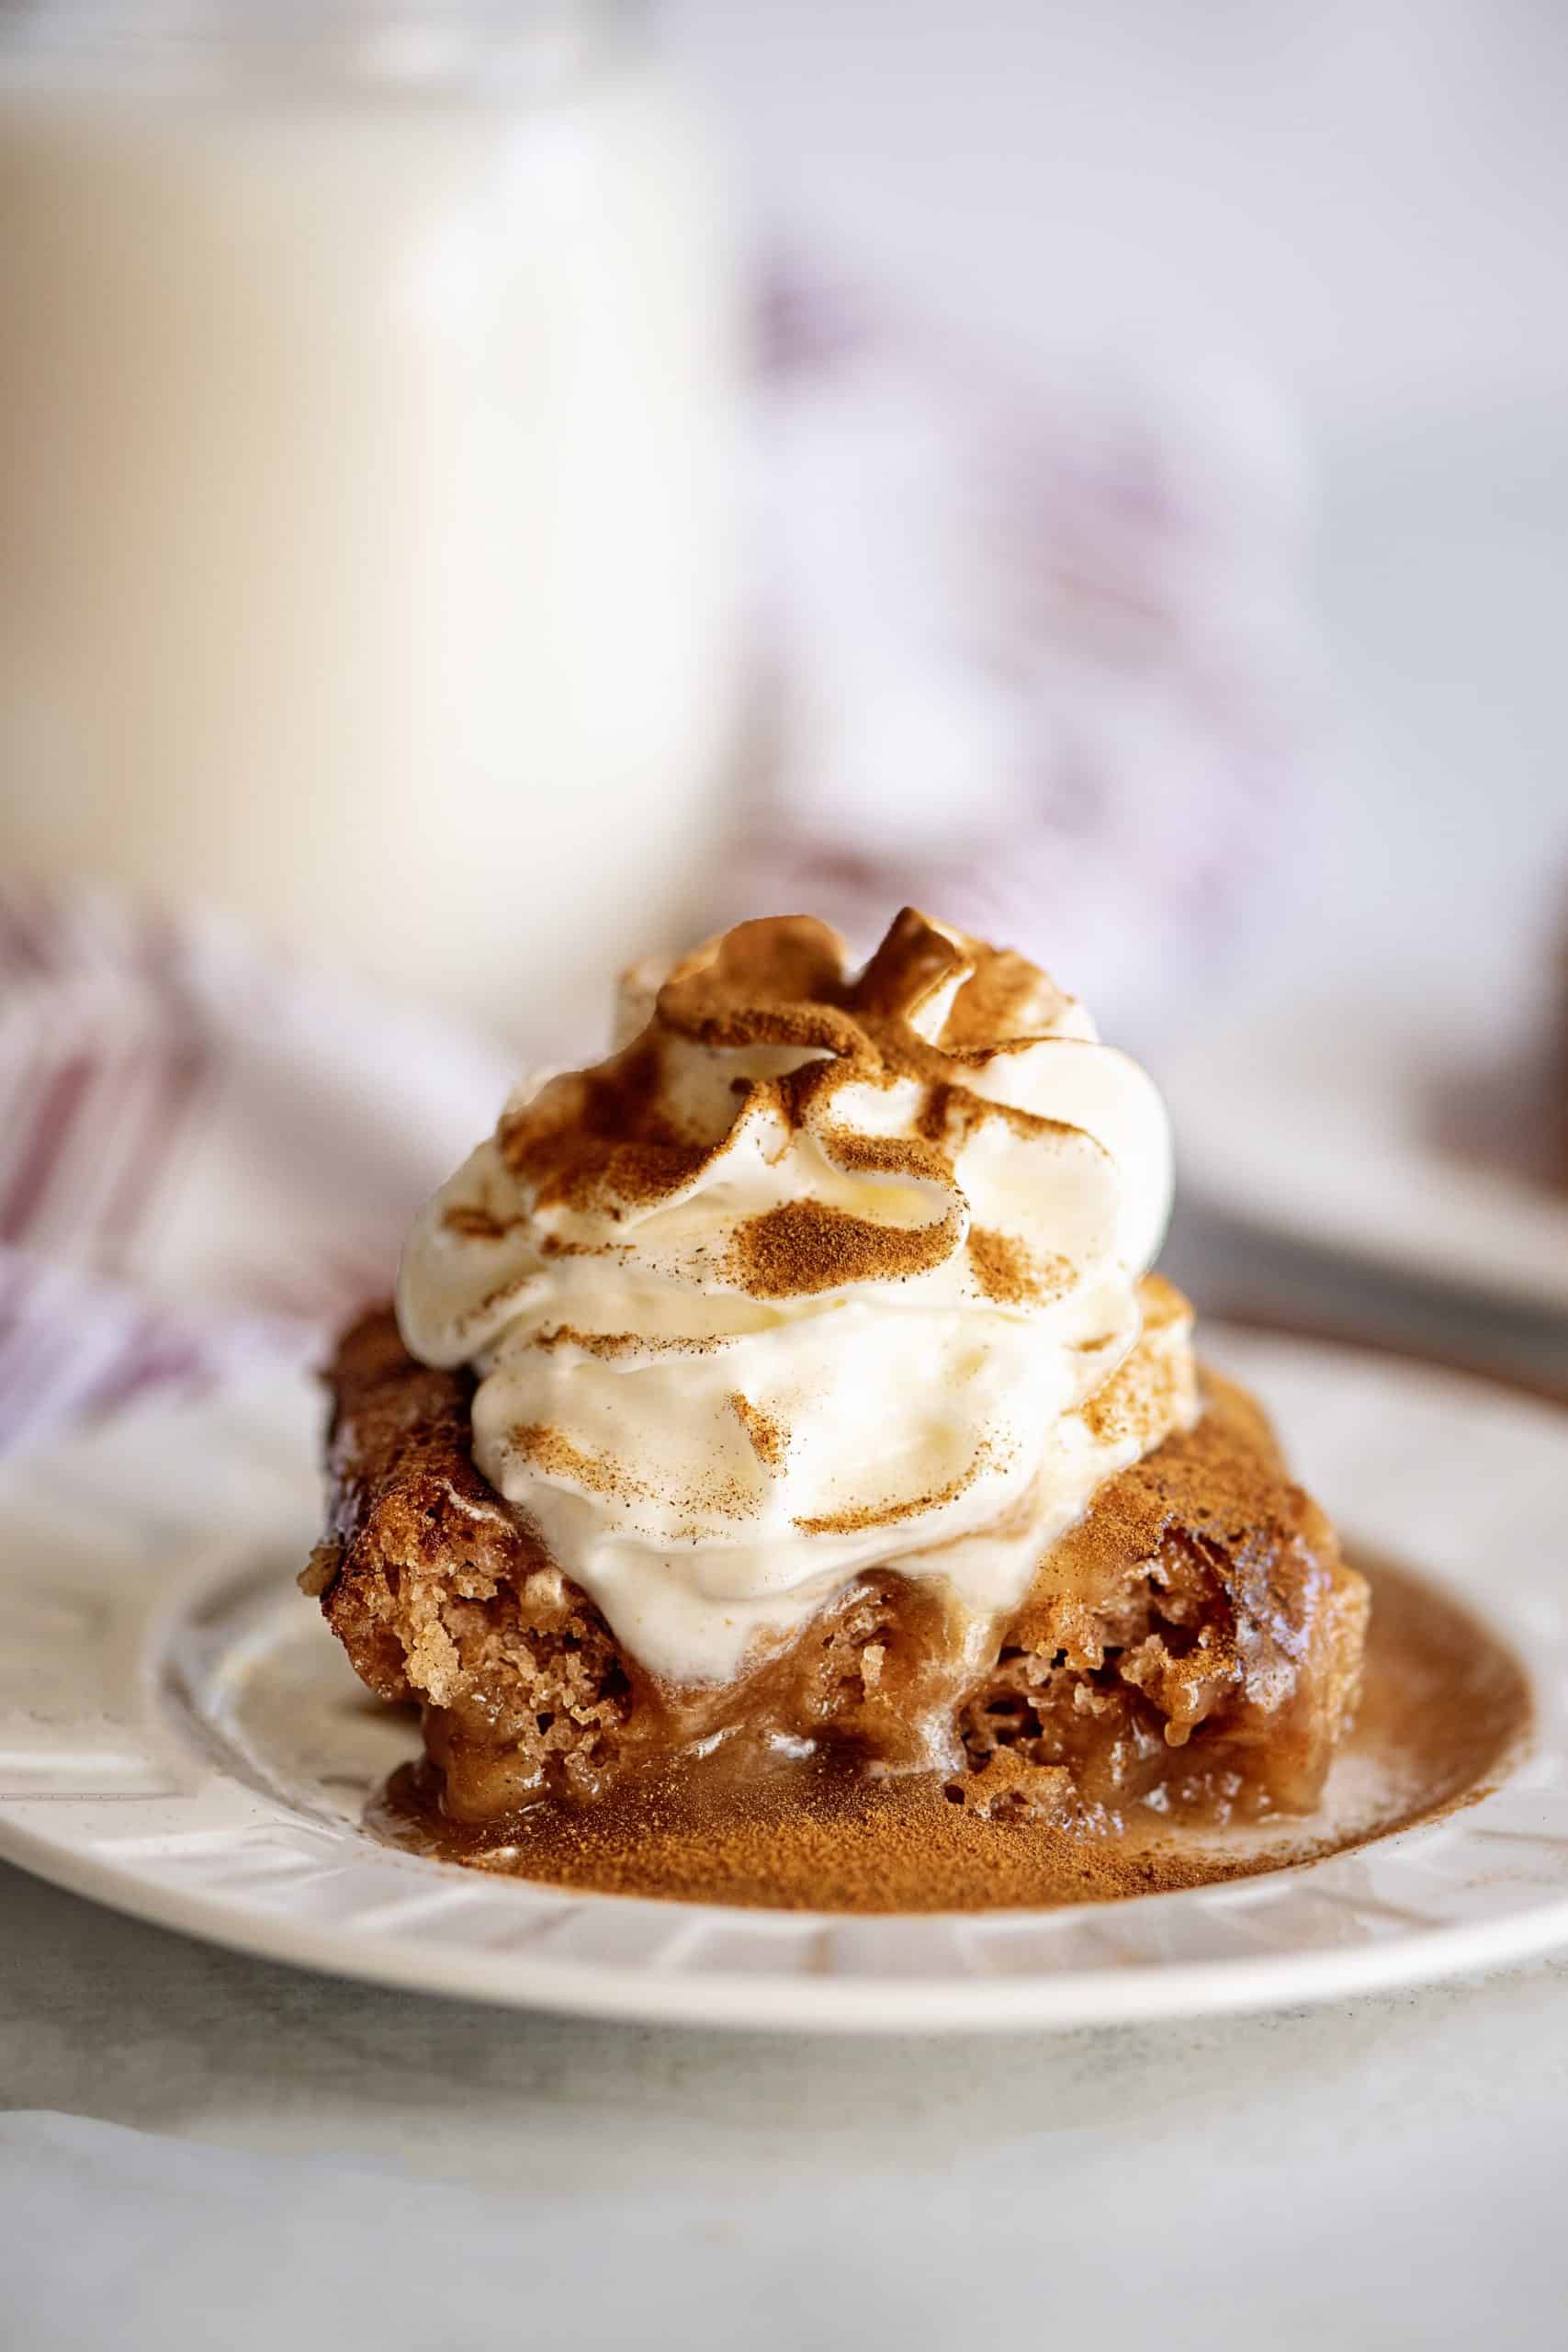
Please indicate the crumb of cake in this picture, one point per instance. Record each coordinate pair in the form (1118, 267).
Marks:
(1197, 1632)
(1446, 1709)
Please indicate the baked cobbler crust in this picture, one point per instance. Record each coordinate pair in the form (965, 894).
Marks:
(1195, 1642)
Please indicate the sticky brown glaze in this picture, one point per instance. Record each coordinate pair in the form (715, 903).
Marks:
(1445, 1712)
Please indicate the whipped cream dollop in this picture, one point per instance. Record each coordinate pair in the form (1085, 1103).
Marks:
(820, 1271)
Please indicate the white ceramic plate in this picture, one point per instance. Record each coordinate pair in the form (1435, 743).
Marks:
(1333, 1147)
(180, 1739)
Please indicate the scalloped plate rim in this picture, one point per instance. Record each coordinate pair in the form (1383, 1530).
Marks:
(41, 1834)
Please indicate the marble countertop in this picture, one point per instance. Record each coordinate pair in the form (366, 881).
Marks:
(419, 2173)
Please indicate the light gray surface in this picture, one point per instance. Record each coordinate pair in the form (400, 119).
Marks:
(1362, 200)
(409, 2172)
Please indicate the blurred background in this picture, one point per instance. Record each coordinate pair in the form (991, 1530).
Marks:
(491, 487)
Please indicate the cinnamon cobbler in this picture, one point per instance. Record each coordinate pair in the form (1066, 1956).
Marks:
(794, 1382)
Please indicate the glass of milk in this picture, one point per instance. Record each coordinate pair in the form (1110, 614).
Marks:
(367, 402)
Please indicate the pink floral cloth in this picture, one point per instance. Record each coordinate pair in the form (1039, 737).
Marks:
(206, 1155)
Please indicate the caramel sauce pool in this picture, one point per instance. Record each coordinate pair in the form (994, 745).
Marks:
(1445, 1712)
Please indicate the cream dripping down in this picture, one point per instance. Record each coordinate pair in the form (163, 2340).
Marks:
(818, 1271)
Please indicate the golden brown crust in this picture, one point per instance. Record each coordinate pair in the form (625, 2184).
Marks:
(1196, 1639)
(1205, 1581)
(439, 1593)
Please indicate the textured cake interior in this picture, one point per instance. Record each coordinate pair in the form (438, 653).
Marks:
(1195, 1642)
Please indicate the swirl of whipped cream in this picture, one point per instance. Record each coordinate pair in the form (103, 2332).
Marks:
(817, 1272)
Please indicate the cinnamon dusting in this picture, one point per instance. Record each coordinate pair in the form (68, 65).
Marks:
(770, 1441)
(1446, 1713)
(910, 1156)
(1008, 1273)
(888, 1514)
(553, 1453)
(476, 1223)
(807, 1246)
(608, 1345)
(603, 1140)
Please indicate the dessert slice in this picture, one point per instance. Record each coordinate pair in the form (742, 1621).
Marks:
(793, 1377)
(1196, 1634)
